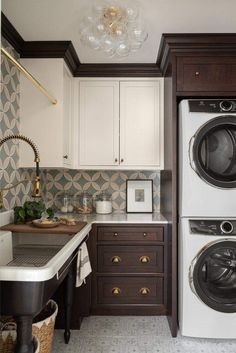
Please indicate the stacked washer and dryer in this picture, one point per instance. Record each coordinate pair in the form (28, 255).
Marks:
(207, 218)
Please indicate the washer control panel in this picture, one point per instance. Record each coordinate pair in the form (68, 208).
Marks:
(213, 227)
(223, 105)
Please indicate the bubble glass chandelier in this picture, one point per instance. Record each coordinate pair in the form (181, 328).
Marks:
(114, 27)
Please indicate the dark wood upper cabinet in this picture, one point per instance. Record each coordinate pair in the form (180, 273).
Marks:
(206, 74)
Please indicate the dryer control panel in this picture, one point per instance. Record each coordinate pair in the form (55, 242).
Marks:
(223, 105)
(213, 227)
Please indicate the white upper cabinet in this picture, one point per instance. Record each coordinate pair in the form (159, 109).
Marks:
(99, 123)
(141, 124)
(121, 124)
(49, 126)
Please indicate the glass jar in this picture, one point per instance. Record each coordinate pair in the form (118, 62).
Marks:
(64, 203)
(103, 203)
(83, 203)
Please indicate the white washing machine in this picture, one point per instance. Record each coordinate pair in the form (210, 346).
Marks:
(207, 158)
(207, 278)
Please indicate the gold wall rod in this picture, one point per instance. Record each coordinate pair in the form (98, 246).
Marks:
(35, 82)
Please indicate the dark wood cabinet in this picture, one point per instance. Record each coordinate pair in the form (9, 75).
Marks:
(129, 269)
(206, 74)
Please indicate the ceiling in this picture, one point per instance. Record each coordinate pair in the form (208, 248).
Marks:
(59, 20)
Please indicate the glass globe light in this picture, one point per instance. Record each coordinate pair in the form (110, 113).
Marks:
(138, 33)
(135, 45)
(123, 49)
(112, 27)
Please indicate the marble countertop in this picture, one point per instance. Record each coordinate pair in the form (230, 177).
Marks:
(155, 218)
(121, 218)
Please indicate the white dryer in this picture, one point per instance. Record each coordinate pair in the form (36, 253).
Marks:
(207, 278)
(207, 158)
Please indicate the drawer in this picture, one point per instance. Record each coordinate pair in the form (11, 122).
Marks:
(132, 234)
(204, 74)
(130, 290)
(132, 259)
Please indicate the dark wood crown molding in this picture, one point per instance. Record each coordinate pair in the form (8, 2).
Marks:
(176, 43)
(52, 49)
(10, 33)
(171, 44)
(39, 49)
(117, 70)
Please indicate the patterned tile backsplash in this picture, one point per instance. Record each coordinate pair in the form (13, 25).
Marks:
(54, 181)
(74, 182)
(9, 124)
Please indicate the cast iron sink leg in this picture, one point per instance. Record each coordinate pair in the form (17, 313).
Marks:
(68, 303)
(24, 343)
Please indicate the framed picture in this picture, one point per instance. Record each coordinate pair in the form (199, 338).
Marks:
(139, 196)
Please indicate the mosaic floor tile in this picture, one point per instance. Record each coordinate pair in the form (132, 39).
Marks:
(126, 334)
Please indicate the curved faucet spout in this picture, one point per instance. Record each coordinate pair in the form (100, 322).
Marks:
(37, 186)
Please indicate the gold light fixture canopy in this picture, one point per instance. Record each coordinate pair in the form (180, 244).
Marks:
(114, 27)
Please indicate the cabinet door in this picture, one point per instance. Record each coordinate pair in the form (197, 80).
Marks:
(99, 123)
(206, 74)
(141, 123)
(67, 118)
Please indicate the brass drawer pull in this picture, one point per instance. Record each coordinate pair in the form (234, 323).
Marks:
(144, 291)
(116, 291)
(115, 259)
(115, 234)
(144, 259)
(144, 234)
(197, 73)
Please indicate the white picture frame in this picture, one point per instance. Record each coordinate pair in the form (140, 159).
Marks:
(139, 196)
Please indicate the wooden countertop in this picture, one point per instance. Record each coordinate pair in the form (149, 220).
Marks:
(30, 228)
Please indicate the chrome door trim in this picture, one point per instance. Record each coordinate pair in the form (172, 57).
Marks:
(196, 258)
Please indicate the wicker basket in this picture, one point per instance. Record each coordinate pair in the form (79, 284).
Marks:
(43, 331)
(8, 339)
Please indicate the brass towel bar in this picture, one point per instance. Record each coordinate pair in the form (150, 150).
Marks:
(35, 82)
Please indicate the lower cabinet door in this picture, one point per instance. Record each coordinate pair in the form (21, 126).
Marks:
(130, 290)
(130, 259)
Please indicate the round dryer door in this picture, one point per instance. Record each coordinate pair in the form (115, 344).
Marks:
(213, 276)
(214, 152)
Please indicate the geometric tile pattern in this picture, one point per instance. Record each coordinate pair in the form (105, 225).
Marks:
(136, 334)
(75, 182)
(9, 124)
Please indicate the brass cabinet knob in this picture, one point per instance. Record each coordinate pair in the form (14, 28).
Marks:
(116, 291)
(122, 160)
(65, 157)
(197, 73)
(115, 234)
(144, 259)
(144, 234)
(144, 291)
(115, 259)
(116, 160)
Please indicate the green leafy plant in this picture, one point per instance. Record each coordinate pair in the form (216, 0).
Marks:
(31, 210)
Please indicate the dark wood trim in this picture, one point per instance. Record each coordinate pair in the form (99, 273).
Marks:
(176, 43)
(52, 49)
(117, 70)
(9, 32)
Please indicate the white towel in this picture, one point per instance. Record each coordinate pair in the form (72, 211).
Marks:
(83, 265)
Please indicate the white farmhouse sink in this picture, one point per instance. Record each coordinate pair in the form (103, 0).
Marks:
(38, 257)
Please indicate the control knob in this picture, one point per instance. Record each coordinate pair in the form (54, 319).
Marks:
(226, 106)
(226, 227)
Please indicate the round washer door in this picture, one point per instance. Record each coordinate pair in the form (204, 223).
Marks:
(213, 275)
(214, 152)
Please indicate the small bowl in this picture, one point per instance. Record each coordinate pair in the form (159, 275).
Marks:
(45, 224)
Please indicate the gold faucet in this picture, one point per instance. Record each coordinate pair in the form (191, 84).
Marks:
(37, 186)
